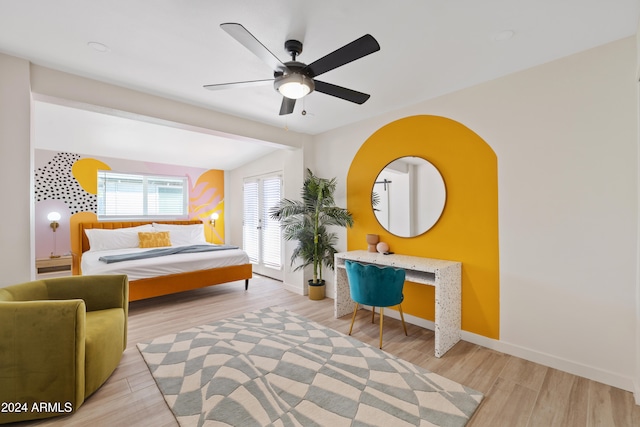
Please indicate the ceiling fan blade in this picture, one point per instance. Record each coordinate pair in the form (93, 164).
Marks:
(363, 46)
(245, 38)
(341, 92)
(238, 84)
(287, 106)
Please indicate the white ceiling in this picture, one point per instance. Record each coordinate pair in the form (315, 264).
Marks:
(428, 47)
(62, 128)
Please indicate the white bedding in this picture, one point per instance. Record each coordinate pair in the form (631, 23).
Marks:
(160, 266)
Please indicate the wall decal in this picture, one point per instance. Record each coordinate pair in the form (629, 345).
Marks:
(67, 183)
(55, 181)
(86, 172)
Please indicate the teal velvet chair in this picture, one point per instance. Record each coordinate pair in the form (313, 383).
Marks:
(375, 286)
(60, 340)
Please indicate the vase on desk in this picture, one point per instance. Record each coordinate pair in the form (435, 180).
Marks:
(372, 241)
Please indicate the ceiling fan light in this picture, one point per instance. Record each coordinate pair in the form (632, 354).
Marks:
(294, 86)
(294, 90)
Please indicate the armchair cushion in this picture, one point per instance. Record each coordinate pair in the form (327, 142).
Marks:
(60, 339)
(104, 331)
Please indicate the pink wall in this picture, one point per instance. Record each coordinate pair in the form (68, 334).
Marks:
(56, 189)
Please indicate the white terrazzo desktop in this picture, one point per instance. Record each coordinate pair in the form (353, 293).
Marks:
(445, 276)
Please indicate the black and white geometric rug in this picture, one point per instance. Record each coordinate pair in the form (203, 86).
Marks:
(274, 367)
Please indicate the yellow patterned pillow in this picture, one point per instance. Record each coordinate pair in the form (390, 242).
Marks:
(155, 239)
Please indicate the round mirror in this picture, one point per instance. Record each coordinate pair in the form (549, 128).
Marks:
(408, 196)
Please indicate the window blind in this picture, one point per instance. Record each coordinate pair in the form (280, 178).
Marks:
(122, 195)
(251, 221)
(271, 195)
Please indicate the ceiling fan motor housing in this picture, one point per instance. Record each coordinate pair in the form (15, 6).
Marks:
(294, 47)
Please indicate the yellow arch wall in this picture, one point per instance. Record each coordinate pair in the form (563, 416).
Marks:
(468, 228)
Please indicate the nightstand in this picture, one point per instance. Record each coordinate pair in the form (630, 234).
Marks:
(50, 267)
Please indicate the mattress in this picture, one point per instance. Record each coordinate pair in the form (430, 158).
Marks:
(160, 266)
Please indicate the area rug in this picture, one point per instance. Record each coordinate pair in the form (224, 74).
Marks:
(274, 367)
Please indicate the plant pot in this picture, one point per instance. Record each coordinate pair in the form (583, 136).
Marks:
(316, 291)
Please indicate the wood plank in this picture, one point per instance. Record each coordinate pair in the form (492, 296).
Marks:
(525, 373)
(563, 401)
(610, 406)
(508, 403)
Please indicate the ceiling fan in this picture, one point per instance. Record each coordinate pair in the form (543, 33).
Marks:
(293, 79)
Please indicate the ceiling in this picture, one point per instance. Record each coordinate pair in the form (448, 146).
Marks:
(428, 47)
(61, 128)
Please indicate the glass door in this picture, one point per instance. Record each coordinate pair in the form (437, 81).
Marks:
(261, 237)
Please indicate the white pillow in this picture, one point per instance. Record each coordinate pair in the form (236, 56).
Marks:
(183, 235)
(103, 239)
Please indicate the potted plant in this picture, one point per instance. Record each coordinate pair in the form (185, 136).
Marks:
(307, 221)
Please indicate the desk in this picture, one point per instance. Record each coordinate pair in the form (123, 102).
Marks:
(445, 276)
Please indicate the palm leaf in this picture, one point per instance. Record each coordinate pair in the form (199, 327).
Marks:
(306, 221)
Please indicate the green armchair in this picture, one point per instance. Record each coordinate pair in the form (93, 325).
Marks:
(60, 340)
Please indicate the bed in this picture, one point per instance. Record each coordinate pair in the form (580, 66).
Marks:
(151, 277)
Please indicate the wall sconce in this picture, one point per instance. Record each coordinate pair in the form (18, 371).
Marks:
(214, 217)
(53, 218)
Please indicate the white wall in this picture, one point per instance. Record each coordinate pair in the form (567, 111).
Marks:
(394, 212)
(19, 79)
(565, 134)
(16, 174)
(430, 196)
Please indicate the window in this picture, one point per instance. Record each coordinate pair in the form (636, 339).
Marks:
(131, 196)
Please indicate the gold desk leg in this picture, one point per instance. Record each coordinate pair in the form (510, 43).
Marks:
(353, 318)
(402, 318)
(381, 321)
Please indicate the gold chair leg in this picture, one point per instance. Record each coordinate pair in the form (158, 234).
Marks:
(353, 318)
(381, 321)
(402, 318)
(373, 313)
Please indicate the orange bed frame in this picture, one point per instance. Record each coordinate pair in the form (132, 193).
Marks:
(169, 284)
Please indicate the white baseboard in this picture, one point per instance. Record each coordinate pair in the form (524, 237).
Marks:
(294, 288)
(572, 367)
(589, 372)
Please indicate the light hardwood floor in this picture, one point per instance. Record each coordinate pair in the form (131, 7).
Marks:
(517, 392)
